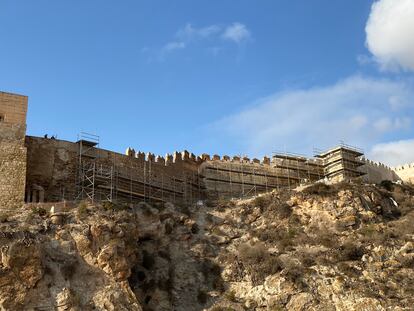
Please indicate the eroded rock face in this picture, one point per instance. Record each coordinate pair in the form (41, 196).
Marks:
(334, 248)
(339, 248)
(66, 267)
(21, 269)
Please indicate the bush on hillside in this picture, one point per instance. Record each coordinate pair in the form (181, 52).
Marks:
(39, 211)
(202, 297)
(320, 189)
(261, 202)
(258, 262)
(387, 185)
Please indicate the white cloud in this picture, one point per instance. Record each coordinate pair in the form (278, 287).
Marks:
(189, 32)
(383, 125)
(386, 124)
(393, 153)
(175, 45)
(210, 35)
(236, 32)
(390, 33)
(356, 110)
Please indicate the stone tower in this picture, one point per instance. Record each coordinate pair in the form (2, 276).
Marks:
(13, 110)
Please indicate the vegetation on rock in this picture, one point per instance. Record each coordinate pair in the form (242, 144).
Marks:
(338, 247)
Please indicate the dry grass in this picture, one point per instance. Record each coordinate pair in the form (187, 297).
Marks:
(258, 262)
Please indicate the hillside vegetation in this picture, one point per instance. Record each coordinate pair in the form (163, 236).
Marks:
(342, 247)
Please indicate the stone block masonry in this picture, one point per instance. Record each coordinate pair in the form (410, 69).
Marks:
(13, 152)
(405, 172)
(53, 174)
(239, 176)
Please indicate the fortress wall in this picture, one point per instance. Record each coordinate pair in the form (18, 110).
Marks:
(12, 170)
(405, 172)
(237, 177)
(180, 177)
(53, 166)
(13, 108)
(377, 172)
(12, 150)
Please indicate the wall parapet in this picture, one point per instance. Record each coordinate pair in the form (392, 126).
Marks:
(403, 167)
(377, 164)
(169, 159)
(235, 159)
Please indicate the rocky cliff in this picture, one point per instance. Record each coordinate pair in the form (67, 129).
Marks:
(343, 247)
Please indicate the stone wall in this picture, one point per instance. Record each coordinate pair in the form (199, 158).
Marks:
(13, 110)
(53, 174)
(239, 177)
(53, 167)
(405, 172)
(376, 172)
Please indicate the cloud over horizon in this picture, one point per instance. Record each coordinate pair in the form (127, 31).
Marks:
(236, 33)
(358, 110)
(390, 34)
(393, 153)
(364, 111)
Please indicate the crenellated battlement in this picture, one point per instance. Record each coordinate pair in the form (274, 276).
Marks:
(169, 159)
(235, 159)
(376, 172)
(377, 164)
(58, 170)
(403, 167)
(405, 172)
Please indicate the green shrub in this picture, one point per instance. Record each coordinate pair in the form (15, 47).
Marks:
(168, 228)
(148, 260)
(195, 228)
(164, 254)
(210, 269)
(219, 285)
(282, 237)
(4, 217)
(320, 189)
(405, 202)
(39, 211)
(348, 269)
(185, 209)
(324, 237)
(82, 209)
(108, 206)
(202, 297)
(68, 269)
(387, 185)
(231, 296)
(376, 235)
(258, 262)
(261, 202)
(166, 284)
(293, 271)
(217, 231)
(284, 211)
(351, 252)
(307, 259)
(407, 262)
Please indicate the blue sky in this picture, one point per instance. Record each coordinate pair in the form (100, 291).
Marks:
(225, 77)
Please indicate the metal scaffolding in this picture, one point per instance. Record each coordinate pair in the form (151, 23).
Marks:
(94, 181)
(242, 177)
(342, 162)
